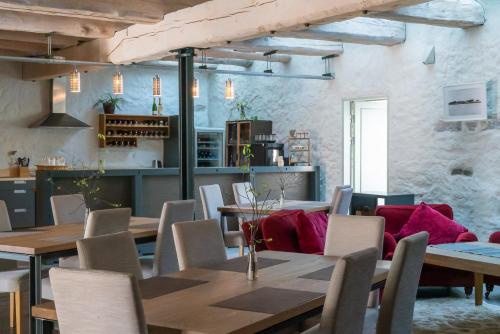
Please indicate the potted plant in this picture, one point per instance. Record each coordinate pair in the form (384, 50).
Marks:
(242, 108)
(109, 103)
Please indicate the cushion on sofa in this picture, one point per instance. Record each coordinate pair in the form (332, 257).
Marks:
(280, 228)
(441, 229)
(311, 232)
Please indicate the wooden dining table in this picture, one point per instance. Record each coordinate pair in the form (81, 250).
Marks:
(43, 245)
(219, 299)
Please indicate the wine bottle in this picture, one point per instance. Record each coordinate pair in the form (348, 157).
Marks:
(160, 107)
(155, 108)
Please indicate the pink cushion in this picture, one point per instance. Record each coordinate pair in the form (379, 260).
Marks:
(441, 229)
(280, 227)
(495, 238)
(311, 232)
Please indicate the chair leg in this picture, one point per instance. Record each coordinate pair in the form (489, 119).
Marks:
(468, 291)
(489, 289)
(19, 312)
(12, 310)
(242, 250)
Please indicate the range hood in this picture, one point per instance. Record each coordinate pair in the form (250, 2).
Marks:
(58, 118)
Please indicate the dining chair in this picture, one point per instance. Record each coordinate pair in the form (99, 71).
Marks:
(10, 278)
(97, 302)
(396, 309)
(112, 252)
(68, 209)
(211, 199)
(347, 294)
(347, 234)
(198, 243)
(342, 201)
(336, 194)
(165, 258)
(101, 222)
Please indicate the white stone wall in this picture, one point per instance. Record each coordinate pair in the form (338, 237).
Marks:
(420, 158)
(24, 102)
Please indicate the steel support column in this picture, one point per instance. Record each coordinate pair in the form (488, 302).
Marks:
(186, 122)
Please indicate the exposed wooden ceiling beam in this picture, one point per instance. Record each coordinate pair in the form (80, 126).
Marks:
(58, 41)
(228, 53)
(13, 53)
(66, 26)
(360, 30)
(215, 22)
(446, 13)
(26, 47)
(289, 46)
(125, 11)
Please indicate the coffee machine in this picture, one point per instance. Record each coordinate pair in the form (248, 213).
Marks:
(273, 151)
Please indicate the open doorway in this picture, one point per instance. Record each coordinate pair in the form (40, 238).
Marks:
(365, 145)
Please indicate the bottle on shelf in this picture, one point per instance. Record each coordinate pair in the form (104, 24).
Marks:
(154, 109)
(160, 107)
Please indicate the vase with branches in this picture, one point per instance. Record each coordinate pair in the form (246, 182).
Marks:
(285, 181)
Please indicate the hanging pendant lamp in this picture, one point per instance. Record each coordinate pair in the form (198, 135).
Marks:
(118, 83)
(196, 88)
(156, 86)
(74, 81)
(229, 94)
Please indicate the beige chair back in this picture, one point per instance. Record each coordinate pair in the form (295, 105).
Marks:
(347, 294)
(101, 222)
(68, 209)
(342, 204)
(165, 259)
(211, 199)
(336, 194)
(398, 300)
(348, 234)
(198, 243)
(112, 252)
(5, 225)
(242, 193)
(97, 302)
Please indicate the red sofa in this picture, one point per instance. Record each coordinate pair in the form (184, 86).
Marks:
(491, 281)
(396, 216)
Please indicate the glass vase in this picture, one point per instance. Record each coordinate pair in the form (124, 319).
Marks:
(252, 263)
(282, 198)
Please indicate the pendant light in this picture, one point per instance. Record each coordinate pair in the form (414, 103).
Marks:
(156, 86)
(74, 81)
(118, 83)
(229, 95)
(196, 88)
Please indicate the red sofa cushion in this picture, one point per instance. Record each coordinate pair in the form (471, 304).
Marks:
(495, 238)
(280, 228)
(260, 246)
(441, 229)
(311, 232)
(396, 216)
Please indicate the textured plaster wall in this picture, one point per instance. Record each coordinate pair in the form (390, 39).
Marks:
(24, 102)
(420, 157)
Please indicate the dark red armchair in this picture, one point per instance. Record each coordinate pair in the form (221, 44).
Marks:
(491, 281)
(396, 216)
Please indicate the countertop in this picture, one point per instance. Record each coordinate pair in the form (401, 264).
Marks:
(10, 179)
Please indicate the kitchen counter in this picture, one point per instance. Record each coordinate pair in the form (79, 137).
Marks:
(146, 189)
(3, 179)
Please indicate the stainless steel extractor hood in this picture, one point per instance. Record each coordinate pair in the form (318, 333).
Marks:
(58, 118)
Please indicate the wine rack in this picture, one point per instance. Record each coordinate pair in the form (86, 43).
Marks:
(125, 130)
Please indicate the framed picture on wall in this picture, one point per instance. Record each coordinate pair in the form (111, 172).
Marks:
(465, 102)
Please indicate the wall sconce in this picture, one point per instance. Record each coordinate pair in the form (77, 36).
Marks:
(196, 88)
(74, 81)
(156, 86)
(118, 83)
(229, 95)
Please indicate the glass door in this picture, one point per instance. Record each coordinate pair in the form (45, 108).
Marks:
(365, 145)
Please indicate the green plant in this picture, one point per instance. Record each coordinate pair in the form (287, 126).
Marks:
(110, 99)
(243, 108)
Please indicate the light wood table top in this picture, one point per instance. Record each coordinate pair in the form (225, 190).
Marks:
(191, 310)
(482, 264)
(48, 239)
(274, 206)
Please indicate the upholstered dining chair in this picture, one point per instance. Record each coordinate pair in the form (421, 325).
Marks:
(97, 302)
(101, 222)
(396, 309)
(341, 202)
(347, 234)
(211, 199)
(10, 278)
(347, 294)
(68, 209)
(165, 259)
(112, 252)
(242, 193)
(198, 243)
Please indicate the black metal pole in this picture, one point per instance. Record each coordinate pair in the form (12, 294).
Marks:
(186, 122)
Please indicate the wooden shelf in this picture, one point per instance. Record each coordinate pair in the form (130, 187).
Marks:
(242, 133)
(122, 130)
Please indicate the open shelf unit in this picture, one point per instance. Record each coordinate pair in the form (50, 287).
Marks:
(241, 133)
(299, 150)
(125, 130)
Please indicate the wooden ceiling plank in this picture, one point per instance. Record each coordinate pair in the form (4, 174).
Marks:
(58, 41)
(288, 46)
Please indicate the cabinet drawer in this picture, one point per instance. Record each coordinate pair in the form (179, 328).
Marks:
(22, 217)
(17, 184)
(18, 197)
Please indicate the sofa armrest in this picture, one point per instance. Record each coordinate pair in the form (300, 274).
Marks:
(389, 245)
(495, 238)
(466, 237)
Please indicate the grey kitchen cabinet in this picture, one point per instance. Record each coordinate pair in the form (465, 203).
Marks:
(19, 196)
